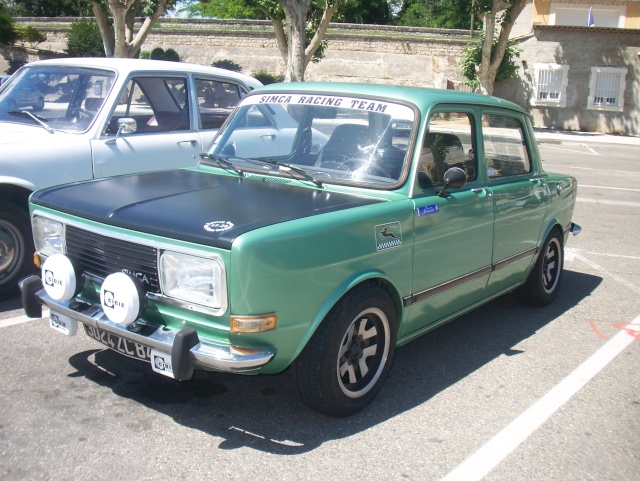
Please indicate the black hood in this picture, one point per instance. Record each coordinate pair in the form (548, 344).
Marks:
(191, 205)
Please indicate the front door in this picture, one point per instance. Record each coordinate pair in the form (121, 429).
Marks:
(163, 137)
(453, 233)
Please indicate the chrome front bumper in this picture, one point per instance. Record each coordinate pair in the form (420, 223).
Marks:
(186, 349)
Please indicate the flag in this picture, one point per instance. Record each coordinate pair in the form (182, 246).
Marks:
(590, 22)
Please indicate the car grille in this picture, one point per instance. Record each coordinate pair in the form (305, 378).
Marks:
(100, 256)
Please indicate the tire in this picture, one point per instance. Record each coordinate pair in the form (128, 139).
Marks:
(16, 247)
(543, 283)
(340, 371)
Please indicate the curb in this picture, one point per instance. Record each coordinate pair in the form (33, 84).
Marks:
(590, 137)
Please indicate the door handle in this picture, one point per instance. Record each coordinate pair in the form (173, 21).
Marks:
(192, 142)
(483, 192)
(537, 182)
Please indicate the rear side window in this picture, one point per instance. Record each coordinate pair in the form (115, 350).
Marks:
(504, 146)
(448, 143)
(216, 100)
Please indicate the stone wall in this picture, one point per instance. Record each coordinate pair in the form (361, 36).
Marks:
(355, 53)
(404, 56)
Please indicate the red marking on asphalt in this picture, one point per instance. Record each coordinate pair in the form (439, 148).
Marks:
(632, 330)
(597, 331)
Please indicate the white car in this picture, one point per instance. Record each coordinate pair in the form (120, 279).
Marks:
(76, 119)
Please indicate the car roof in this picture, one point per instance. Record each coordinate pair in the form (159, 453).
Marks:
(128, 65)
(422, 97)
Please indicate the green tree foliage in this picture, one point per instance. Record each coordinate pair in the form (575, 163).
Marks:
(373, 12)
(83, 40)
(473, 57)
(8, 32)
(51, 8)
(436, 14)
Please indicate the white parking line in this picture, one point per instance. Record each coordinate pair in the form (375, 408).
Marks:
(558, 166)
(12, 321)
(582, 186)
(607, 202)
(591, 151)
(483, 461)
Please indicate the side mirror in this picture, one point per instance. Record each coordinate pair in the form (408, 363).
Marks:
(126, 126)
(454, 178)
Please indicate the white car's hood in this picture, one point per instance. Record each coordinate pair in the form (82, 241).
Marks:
(11, 133)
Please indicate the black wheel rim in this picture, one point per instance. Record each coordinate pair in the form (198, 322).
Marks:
(363, 352)
(551, 266)
(11, 251)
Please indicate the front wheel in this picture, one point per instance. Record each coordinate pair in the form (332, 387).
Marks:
(543, 282)
(16, 246)
(347, 360)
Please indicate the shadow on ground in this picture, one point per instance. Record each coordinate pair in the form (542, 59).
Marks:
(265, 413)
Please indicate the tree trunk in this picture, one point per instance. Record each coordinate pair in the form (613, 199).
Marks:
(491, 59)
(102, 19)
(124, 42)
(296, 14)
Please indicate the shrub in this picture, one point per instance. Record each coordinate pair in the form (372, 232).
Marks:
(159, 53)
(84, 40)
(8, 32)
(227, 64)
(171, 55)
(30, 35)
(267, 77)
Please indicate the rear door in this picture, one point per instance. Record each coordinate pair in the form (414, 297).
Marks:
(520, 196)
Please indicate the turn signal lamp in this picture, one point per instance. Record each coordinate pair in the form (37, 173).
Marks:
(253, 324)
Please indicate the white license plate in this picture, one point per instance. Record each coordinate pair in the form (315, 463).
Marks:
(63, 324)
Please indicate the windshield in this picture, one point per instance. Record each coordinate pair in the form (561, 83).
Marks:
(61, 97)
(330, 138)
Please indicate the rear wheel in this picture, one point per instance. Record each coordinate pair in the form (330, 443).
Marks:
(16, 246)
(347, 360)
(543, 282)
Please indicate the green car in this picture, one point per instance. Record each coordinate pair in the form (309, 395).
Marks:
(326, 225)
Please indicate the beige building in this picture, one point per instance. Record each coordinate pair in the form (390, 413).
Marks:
(580, 65)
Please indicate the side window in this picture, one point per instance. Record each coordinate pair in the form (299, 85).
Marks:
(504, 146)
(448, 143)
(216, 100)
(157, 104)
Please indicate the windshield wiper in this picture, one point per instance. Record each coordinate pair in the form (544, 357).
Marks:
(284, 167)
(221, 162)
(37, 118)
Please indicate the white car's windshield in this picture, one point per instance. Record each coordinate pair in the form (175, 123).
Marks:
(61, 98)
(331, 138)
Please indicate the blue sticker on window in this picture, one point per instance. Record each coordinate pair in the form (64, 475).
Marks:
(428, 210)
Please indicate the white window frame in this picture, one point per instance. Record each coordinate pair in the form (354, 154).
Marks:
(606, 92)
(581, 14)
(555, 91)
